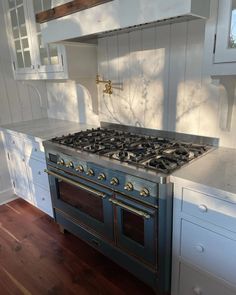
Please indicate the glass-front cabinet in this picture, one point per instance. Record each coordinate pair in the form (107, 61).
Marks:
(31, 59)
(225, 47)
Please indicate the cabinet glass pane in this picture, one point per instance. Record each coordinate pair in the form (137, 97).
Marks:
(44, 56)
(13, 18)
(11, 3)
(23, 31)
(15, 32)
(18, 2)
(232, 35)
(53, 53)
(25, 43)
(27, 59)
(21, 15)
(20, 62)
(17, 45)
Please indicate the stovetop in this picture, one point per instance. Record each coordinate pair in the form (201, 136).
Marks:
(150, 152)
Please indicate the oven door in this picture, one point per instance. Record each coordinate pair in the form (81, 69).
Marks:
(135, 229)
(83, 201)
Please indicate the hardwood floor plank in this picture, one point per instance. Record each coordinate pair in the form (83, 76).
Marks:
(36, 258)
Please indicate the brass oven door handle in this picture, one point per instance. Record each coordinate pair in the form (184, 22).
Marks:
(131, 209)
(79, 185)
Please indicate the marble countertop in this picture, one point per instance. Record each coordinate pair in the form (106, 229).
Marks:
(216, 170)
(46, 128)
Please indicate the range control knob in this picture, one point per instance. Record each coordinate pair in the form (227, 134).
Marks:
(101, 176)
(114, 181)
(80, 168)
(61, 162)
(129, 186)
(70, 164)
(144, 192)
(90, 172)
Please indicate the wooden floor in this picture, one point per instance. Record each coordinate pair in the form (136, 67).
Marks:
(35, 258)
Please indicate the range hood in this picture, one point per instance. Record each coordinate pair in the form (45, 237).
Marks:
(117, 15)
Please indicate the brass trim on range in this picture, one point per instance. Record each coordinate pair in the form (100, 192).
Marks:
(79, 185)
(131, 209)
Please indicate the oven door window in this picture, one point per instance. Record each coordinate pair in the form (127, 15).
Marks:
(133, 227)
(85, 203)
(136, 233)
(79, 199)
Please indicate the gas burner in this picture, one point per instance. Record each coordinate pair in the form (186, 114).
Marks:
(163, 164)
(150, 152)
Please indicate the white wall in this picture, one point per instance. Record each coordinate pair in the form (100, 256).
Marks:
(161, 82)
(18, 102)
(164, 82)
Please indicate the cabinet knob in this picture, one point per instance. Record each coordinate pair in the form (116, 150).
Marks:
(197, 291)
(39, 172)
(199, 248)
(32, 67)
(202, 208)
(43, 199)
(35, 149)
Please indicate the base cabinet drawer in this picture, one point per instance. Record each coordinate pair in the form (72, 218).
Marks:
(209, 251)
(193, 282)
(42, 199)
(34, 149)
(210, 209)
(38, 176)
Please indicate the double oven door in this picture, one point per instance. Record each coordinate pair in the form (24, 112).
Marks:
(128, 224)
(136, 228)
(82, 201)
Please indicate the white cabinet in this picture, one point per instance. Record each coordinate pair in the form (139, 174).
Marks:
(26, 162)
(220, 39)
(204, 241)
(194, 282)
(34, 60)
(18, 171)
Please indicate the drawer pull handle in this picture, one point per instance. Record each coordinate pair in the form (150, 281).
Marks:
(39, 173)
(197, 291)
(199, 248)
(203, 208)
(43, 199)
(96, 242)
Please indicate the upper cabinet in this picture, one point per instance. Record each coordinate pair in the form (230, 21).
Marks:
(31, 58)
(225, 48)
(220, 41)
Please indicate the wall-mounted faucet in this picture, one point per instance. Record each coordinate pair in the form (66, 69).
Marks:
(108, 85)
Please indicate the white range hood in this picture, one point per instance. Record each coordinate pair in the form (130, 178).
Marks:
(122, 14)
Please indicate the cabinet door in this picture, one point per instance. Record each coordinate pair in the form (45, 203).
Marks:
(226, 32)
(19, 36)
(18, 170)
(49, 56)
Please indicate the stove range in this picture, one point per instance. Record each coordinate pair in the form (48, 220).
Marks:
(150, 152)
(110, 186)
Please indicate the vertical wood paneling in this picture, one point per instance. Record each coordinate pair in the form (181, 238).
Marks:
(177, 75)
(18, 100)
(165, 82)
